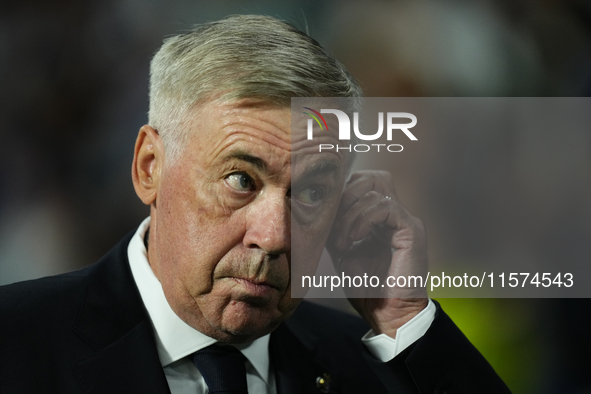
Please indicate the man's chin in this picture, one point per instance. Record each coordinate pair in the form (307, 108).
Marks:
(243, 321)
(236, 318)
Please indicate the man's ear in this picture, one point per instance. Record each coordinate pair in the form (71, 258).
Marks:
(148, 159)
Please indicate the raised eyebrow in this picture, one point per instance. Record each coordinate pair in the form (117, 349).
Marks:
(321, 167)
(259, 163)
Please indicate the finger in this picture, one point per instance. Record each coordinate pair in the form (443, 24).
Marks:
(362, 182)
(384, 212)
(371, 211)
(344, 223)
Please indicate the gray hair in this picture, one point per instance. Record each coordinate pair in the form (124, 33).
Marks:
(246, 56)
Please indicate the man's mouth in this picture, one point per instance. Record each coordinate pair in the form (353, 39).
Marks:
(256, 288)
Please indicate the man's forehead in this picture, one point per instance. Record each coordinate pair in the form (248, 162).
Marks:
(218, 124)
(254, 107)
(237, 127)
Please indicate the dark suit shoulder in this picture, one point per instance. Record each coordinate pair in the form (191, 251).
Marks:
(38, 317)
(52, 328)
(40, 307)
(39, 292)
(54, 295)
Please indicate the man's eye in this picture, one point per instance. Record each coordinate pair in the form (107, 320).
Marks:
(311, 195)
(240, 181)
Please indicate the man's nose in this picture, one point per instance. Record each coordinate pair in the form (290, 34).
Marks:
(268, 224)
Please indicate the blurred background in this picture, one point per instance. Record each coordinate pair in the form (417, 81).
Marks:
(74, 78)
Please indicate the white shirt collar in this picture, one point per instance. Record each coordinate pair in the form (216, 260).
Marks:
(175, 339)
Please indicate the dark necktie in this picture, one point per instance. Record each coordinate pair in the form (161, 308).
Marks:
(222, 368)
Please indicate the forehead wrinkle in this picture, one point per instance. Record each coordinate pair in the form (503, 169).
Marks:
(321, 167)
(258, 134)
(243, 155)
(329, 165)
(240, 147)
(237, 137)
(257, 127)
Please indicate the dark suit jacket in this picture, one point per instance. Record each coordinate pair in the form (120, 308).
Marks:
(88, 332)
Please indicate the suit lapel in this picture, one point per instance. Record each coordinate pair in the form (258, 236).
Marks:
(114, 324)
(128, 365)
(295, 358)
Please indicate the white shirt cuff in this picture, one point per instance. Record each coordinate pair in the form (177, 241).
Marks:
(385, 348)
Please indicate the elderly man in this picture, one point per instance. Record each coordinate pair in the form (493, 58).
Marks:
(199, 299)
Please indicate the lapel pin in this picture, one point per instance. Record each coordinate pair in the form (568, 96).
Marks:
(323, 383)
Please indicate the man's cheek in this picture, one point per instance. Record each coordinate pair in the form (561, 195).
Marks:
(320, 229)
(196, 277)
(305, 254)
(288, 305)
